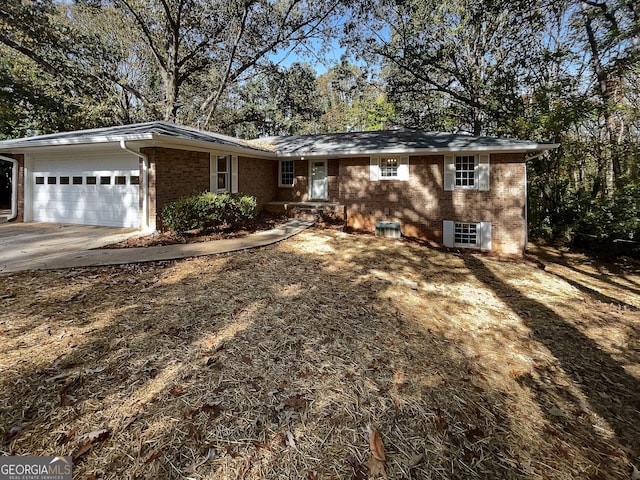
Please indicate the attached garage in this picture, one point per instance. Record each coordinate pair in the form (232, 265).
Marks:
(87, 189)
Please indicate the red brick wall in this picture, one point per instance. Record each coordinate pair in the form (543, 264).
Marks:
(174, 174)
(300, 190)
(258, 177)
(421, 204)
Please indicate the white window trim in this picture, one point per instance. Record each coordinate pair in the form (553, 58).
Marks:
(284, 185)
(389, 177)
(467, 245)
(375, 169)
(481, 172)
(483, 233)
(231, 173)
(214, 173)
(475, 173)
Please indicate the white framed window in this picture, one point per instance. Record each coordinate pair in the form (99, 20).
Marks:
(222, 173)
(466, 172)
(466, 234)
(466, 166)
(389, 168)
(286, 173)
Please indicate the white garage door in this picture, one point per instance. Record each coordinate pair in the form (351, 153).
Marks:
(90, 191)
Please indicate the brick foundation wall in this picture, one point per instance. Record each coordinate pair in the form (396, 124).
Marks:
(258, 177)
(421, 204)
(174, 174)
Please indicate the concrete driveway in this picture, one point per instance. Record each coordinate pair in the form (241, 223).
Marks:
(26, 245)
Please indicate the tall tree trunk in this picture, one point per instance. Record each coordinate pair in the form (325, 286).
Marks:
(605, 86)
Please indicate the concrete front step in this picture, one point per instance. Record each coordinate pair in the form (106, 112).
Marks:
(309, 210)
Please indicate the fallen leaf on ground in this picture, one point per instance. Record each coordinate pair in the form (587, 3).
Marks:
(291, 439)
(416, 460)
(375, 443)
(296, 401)
(65, 400)
(96, 435)
(91, 439)
(177, 390)
(153, 456)
(66, 437)
(376, 468)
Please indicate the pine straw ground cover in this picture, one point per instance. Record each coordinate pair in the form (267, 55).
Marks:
(278, 362)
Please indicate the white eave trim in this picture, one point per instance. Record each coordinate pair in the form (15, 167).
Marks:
(422, 151)
(142, 139)
(47, 142)
(168, 141)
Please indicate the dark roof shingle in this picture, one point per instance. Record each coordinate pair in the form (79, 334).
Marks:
(393, 141)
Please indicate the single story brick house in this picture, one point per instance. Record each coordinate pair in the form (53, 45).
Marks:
(457, 190)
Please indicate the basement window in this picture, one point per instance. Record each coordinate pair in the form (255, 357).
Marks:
(465, 235)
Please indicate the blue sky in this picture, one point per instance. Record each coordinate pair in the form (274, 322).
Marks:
(312, 55)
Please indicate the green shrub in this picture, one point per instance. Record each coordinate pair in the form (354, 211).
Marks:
(206, 210)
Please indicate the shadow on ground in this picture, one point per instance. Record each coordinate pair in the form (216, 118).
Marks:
(273, 363)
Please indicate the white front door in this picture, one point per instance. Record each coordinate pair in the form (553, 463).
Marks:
(318, 179)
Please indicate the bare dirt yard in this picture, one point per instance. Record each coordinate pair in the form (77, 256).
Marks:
(278, 363)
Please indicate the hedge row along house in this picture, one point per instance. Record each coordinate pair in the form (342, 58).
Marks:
(456, 190)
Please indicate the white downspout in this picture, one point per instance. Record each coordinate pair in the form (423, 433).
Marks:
(145, 184)
(14, 186)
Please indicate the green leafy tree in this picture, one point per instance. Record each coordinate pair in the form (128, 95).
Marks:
(352, 99)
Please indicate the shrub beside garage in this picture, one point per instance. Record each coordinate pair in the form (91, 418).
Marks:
(208, 211)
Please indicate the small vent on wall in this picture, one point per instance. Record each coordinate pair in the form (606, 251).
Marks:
(388, 229)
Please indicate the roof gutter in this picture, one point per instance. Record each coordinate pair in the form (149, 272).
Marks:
(14, 186)
(418, 151)
(145, 185)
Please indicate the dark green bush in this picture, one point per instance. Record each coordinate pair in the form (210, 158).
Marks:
(206, 210)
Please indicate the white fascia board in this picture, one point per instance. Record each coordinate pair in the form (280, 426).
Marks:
(137, 140)
(47, 142)
(422, 151)
(204, 146)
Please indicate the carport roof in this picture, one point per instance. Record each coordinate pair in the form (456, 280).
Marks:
(141, 131)
(393, 141)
